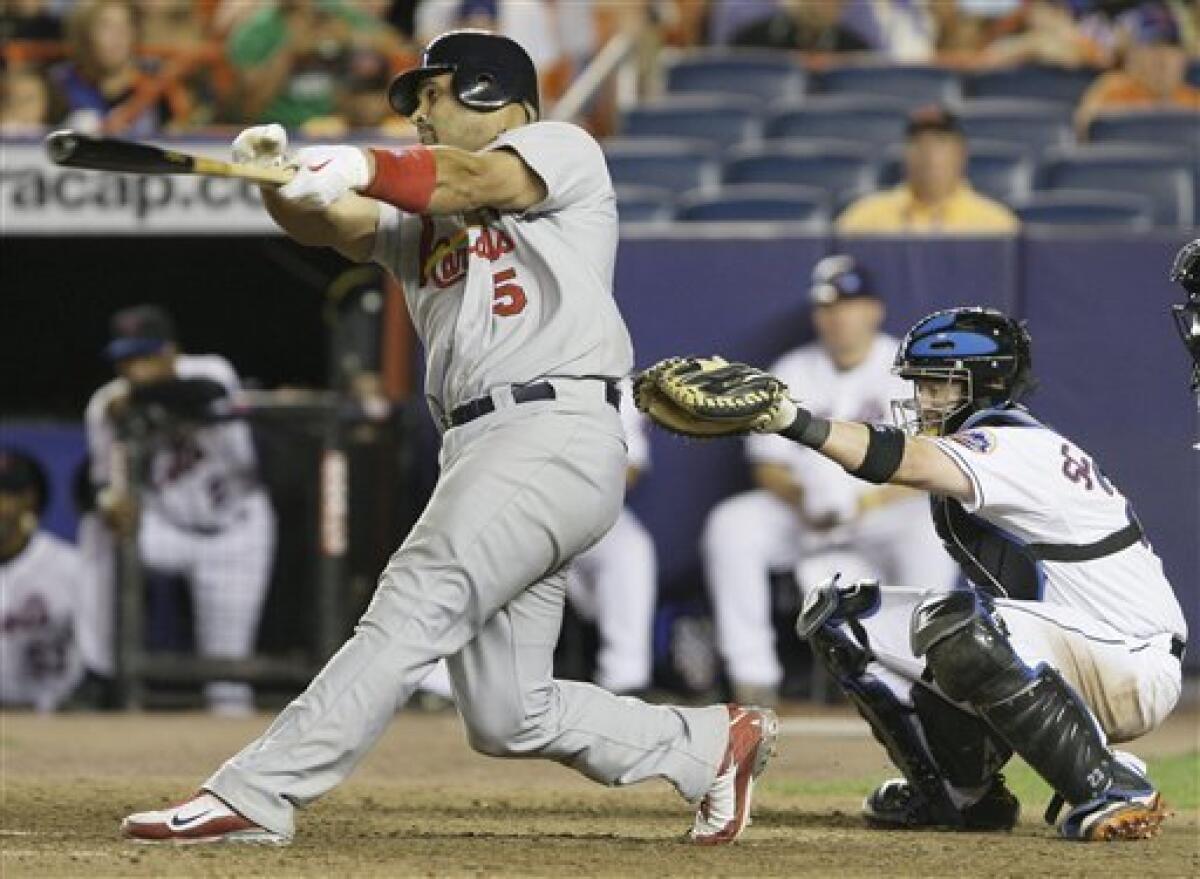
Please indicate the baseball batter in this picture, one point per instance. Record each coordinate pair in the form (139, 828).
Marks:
(503, 231)
(41, 578)
(1072, 636)
(807, 513)
(204, 515)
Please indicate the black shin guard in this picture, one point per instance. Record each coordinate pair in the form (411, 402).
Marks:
(1035, 712)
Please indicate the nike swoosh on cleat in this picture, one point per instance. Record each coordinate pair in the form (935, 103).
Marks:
(315, 168)
(177, 823)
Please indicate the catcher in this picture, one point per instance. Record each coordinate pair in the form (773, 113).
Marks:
(1071, 637)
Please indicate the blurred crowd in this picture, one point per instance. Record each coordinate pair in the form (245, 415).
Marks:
(140, 67)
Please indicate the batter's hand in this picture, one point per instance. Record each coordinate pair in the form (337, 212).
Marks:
(264, 146)
(324, 174)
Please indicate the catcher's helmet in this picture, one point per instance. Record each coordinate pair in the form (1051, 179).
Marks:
(987, 353)
(1186, 272)
(490, 71)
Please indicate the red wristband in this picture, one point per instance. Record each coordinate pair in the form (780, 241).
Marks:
(405, 178)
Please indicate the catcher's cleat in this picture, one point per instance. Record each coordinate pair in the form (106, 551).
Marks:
(894, 805)
(201, 818)
(1116, 817)
(725, 810)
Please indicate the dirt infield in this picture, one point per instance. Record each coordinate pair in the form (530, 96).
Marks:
(423, 804)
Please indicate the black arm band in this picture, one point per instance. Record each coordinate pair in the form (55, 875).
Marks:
(807, 429)
(884, 454)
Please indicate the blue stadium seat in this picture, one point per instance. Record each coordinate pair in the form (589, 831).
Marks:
(1035, 124)
(1193, 73)
(673, 163)
(722, 120)
(999, 170)
(1070, 207)
(1179, 127)
(764, 74)
(1164, 174)
(844, 169)
(1038, 81)
(645, 204)
(757, 203)
(909, 85)
(866, 120)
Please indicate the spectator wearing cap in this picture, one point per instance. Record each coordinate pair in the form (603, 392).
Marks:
(935, 196)
(204, 515)
(806, 516)
(1152, 74)
(41, 578)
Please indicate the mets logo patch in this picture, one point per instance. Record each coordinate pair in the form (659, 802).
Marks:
(978, 439)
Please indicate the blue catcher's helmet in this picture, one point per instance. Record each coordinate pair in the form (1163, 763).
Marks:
(981, 354)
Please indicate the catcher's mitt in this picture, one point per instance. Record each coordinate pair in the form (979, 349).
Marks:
(708, 397)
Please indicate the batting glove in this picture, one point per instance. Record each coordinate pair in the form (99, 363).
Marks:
(324, 174)
(264, 146)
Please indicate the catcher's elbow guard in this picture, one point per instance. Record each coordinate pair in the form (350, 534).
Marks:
(885, 451)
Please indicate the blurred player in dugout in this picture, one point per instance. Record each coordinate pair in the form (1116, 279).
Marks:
(204, 514)
(806, 513)
(41, 579)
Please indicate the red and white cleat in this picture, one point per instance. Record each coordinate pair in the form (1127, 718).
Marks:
(201, 818)
(725, 810)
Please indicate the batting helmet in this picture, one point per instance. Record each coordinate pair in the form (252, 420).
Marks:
(984, 350)
(489, 71)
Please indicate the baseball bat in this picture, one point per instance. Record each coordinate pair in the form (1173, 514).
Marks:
(74, 150)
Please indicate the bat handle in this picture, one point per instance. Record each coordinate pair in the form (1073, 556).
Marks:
(269, 176)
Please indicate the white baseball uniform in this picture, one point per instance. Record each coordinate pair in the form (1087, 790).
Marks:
(39, 590)
(1106, 621)
(749, 535)
(499, 300)
(205, 516)
(615, 582)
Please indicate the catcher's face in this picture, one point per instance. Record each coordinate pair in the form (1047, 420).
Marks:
(938, 397)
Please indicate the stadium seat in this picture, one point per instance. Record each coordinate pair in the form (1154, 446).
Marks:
(1043, 82)
(909, 85)
(1034, 124)
(1164, 174)
(1070, 207)
(998, 170)
(1193, 73)
(866, 120)
(1178, 127)
(764, 74)
(644, 204)
(672, 163)
(722, 120)
(757, 203)
(843, 169)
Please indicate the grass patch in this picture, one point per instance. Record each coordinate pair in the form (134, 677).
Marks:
(1177, 776)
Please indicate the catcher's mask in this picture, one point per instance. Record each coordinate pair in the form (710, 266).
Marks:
(982, 357)
(489, 71)
(1186, 273)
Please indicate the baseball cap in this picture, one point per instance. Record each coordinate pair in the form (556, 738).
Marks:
(836, 278)
(138, 331)
(932, 117)
(21, 472)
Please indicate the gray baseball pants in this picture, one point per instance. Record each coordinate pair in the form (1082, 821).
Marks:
(481, 580)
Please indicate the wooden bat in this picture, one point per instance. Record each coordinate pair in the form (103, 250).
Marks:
(75, 150)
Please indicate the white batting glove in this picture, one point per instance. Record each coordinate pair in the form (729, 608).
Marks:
(324, 174)
(264, 146)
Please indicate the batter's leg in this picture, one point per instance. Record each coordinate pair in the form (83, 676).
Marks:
(621, 571)
(744, 538)
(513, 707)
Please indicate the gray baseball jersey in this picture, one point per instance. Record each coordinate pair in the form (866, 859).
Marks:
(518, 296)
(39, 590)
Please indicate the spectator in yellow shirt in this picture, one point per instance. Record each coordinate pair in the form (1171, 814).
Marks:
(935, 196)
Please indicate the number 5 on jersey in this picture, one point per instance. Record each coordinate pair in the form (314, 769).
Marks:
(507, 298)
